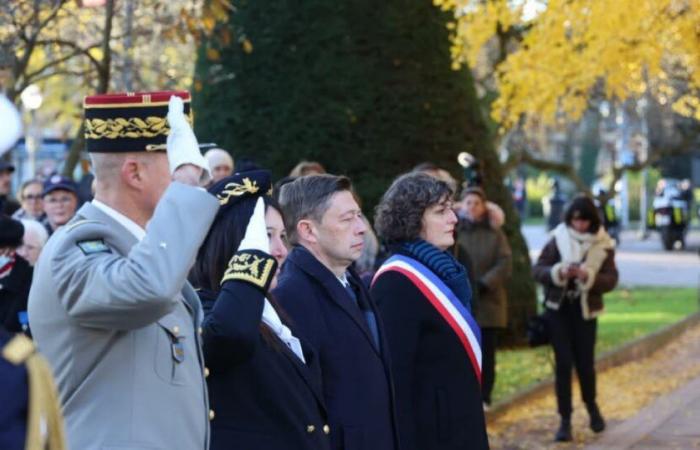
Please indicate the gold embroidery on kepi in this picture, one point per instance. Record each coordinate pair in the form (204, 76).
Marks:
(130, 122)
(130, 128)
(251, 268)
(234, 189)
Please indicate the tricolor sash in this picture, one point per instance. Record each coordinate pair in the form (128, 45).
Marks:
(445, 303)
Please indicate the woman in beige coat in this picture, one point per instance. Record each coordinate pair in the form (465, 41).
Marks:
(483, 249)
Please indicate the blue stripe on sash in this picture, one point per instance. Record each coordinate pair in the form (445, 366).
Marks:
(458, 305)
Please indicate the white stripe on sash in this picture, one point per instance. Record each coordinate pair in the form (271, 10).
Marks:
(445, 302)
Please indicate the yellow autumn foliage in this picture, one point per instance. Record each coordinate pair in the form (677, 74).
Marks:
(626, 47)
(69, 46)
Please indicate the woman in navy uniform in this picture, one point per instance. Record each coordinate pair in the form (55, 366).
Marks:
(424, 297)
(264, 383)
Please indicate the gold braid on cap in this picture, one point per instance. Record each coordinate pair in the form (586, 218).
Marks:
(133, 127)
(236, 190)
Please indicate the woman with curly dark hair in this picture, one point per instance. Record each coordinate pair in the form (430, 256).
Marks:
(424, 297)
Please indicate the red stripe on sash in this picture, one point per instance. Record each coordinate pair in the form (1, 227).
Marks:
(428, 293)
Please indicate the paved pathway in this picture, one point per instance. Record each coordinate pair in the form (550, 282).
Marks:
(671, 422)
(651, 403)
(642, 262)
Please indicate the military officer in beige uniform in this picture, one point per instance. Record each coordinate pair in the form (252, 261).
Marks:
(110, 306)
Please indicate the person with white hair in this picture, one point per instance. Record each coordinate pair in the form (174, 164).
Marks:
(220, 164)
(33, 240)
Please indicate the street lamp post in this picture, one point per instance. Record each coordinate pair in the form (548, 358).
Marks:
(32, 99)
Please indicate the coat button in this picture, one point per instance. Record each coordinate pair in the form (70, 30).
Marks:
(326, 429)
(199, 330)
(176, 329)
(211, 414)
(206, 372)
(310, 428)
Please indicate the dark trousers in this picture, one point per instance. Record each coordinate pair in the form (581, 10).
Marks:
(573, 340)
(488, 362)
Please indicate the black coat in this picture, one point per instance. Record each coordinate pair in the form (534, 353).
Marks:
(262, 395)
(14, 293)
(356, 376)
(438, 396)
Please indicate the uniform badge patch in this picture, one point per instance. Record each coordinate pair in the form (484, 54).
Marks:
(94, 246)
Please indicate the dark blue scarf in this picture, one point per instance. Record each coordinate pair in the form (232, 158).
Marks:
(442, 264)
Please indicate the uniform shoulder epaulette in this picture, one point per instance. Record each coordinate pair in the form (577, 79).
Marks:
(18, 350)
(77, 223)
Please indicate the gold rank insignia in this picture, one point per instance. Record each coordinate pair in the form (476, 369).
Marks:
(257, 268)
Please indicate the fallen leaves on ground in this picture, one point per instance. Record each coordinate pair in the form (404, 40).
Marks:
(622, 392)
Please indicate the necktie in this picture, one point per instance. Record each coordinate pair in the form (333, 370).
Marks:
(367, 312)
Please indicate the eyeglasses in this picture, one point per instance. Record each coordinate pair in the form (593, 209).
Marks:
(31, 197)
(57, 200)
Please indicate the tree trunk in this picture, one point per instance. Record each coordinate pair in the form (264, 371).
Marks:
(590, 145)
(103, 77)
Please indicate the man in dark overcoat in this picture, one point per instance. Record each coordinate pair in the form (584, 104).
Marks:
(332, 309)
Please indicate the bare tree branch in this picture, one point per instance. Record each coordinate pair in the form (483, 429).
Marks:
(21, 66)
(78, 49)
(53, 63)
(72, 73)
(562, 168)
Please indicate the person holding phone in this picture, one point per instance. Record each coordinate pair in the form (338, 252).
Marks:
(576, 267)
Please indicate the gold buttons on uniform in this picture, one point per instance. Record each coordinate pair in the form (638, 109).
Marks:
(206, 372)
(327, 429)
(211, 414)
(310, 428)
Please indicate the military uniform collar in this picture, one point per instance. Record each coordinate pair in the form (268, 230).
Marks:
(138, 232)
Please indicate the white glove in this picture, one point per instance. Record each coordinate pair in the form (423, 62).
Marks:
(256, 232)
(182, 144)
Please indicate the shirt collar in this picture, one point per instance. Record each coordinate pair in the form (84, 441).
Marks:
(138, 232)
(344, 279)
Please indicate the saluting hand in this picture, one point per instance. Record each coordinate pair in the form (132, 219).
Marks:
(253, 251)
(256, 232)
(184, 156)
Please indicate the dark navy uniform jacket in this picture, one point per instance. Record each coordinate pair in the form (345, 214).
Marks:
(14, 401)
(356, 375)
(263, 396)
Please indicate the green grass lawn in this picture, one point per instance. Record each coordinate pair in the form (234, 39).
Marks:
(628, 315)
(538, 220)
